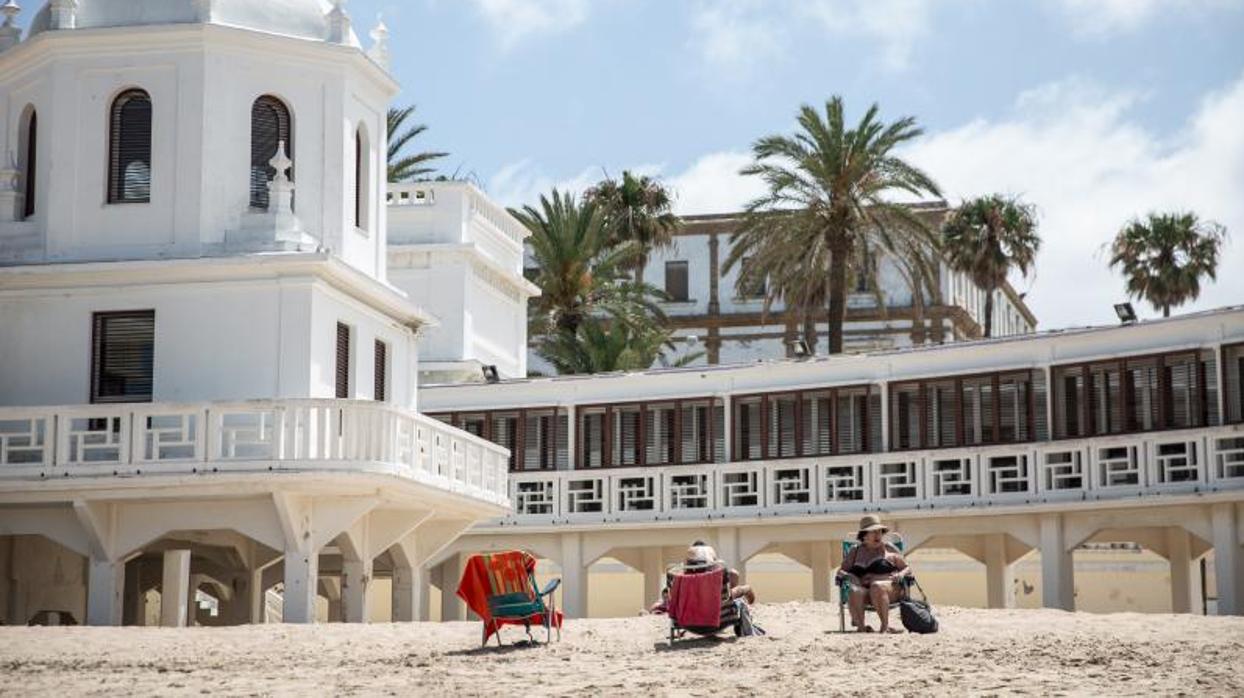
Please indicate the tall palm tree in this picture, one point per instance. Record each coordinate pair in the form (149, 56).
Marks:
(637, 208)
(405, 168)
(599, 346)
(1164, 257)
(579, 271)
(987, 237)
(828, 200)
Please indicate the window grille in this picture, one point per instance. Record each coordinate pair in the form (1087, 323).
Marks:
(270, 124)
(129, 148)
(342, 372)
(122, 356)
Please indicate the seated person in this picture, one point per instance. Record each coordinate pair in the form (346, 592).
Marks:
(701, 557)
(873, 571)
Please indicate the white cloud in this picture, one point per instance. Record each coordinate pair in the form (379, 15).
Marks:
(712, 184)
(734, 35)
(1074, 151)
(515, 20)
(1104, 18)
(520, 183)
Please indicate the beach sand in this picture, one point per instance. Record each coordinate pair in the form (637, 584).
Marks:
(978, 651)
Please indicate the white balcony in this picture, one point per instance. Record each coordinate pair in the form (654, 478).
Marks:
(1116, 467)
(130, 440)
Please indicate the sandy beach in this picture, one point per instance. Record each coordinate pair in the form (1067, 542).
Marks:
(978, 651)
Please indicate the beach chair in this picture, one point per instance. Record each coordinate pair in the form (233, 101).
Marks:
(501, 589)
(724, 613)
(895, 543)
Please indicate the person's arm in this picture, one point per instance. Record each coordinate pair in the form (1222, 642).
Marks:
(848, 561)
(900, 566)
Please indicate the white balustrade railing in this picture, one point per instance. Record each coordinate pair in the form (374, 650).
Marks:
(263, 434)
(1127, 466)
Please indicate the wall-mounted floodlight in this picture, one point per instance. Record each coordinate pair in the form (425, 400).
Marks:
(1126, 313)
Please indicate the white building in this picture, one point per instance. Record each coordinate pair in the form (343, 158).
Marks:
(206, 379)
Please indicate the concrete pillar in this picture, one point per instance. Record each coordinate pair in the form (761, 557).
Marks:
(821, 559)
(302, 570)
(1185, 577)
(174, 588)
(999, 573)
(653, 564)
(410, 586)
(451, 574)
(256, 601)
(355, 577)
(574, 576)
(105, 584)
(728, 547)
(1057, 572)
(1228, 562)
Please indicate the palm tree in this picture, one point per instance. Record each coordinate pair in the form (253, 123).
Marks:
(1164, 257)
(579, 271)
(599, 346)
(827, 200)
(988, 236)
(405, 168)
(637, 209)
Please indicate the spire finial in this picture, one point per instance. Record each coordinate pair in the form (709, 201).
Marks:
(339, 23)
(380, 43)
(10, 34)
(63, 14)
(280, 189)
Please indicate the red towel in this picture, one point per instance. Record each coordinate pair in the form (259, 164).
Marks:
(695, 599)
(499, 573)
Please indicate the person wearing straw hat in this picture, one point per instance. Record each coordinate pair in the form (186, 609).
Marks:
(873, 570)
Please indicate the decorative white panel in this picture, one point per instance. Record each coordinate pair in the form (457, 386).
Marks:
(534, 497)
(1177, 461)
(247, 435)
(845, 483)
(585, 496)
(1229, 458)
(1063, 470)
(94, 440)
(689, 491)
(1118, 466)
(168, 437)
(25, 442)
(898, 480)
(792, 485)
(637, 493)
(1007, 474)
(740, 489)
(951, 477)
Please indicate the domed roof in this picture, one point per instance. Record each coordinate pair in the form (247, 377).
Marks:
(304, 19)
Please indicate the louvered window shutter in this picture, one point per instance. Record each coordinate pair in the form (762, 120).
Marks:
(122, 353)
(381, 371)
(343, 361)
(129, 148)
(270, 124)
(28, 177)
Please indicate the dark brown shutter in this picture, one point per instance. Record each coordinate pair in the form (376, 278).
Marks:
(358, 179)
(129, 148)
(28, 178)
(676, 286)
(122, 352)
(381, 373)
(343, 361)
(270, 124)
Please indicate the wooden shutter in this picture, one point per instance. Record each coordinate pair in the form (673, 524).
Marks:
(358, 179)
(676, 286)
(28, 177)
(382, 371)
(129, 148)
(122, 356)
(270, 124)
(343, 361)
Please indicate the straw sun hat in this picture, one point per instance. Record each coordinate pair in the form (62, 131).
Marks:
(871, 522)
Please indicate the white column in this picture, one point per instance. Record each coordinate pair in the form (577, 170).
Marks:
(654, 574)
(1057, 573)
(1183, 576)
(728, 547)
(354, 579)
(885, 416)
(999, 573)
(821, 558)
(105, 585)
(257, 600)
(451, 574)
(572, 436)
(1228, 562)
(302, 571)
(174, 588)
(424, 583)
(408, 588)
(574, 576)
(727, 426)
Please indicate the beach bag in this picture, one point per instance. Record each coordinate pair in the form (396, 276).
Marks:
(917, 615)
(746, 627)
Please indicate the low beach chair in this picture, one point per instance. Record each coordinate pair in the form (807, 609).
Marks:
(895, 543)
(501, 589)
(699, 601)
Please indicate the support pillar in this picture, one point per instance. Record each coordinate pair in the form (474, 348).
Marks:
(1185, 576)
(302, 570)
(822, 563)
(1228, 562)
(999, 573)
(1057, 572)
(257, 600)
(451, 574)
(174, 588)
(105, 584)
(355, 576)
(654, 574)
(408, 590)
(424, 583)
(574, 576)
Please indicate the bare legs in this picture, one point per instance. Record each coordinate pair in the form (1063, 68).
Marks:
(857, 599)
(880, 594)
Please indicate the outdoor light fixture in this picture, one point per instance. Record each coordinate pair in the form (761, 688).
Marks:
(490, 373)
(1126, 313)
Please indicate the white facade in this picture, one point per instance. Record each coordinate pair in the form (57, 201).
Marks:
(206, 381)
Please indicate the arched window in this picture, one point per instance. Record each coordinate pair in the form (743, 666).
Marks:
(129, 148)
(28, 163)
(362, 178)
(270, 124)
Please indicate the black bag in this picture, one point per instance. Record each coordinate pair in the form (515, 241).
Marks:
(917, 615)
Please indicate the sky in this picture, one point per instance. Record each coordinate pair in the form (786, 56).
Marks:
(1095, 111)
